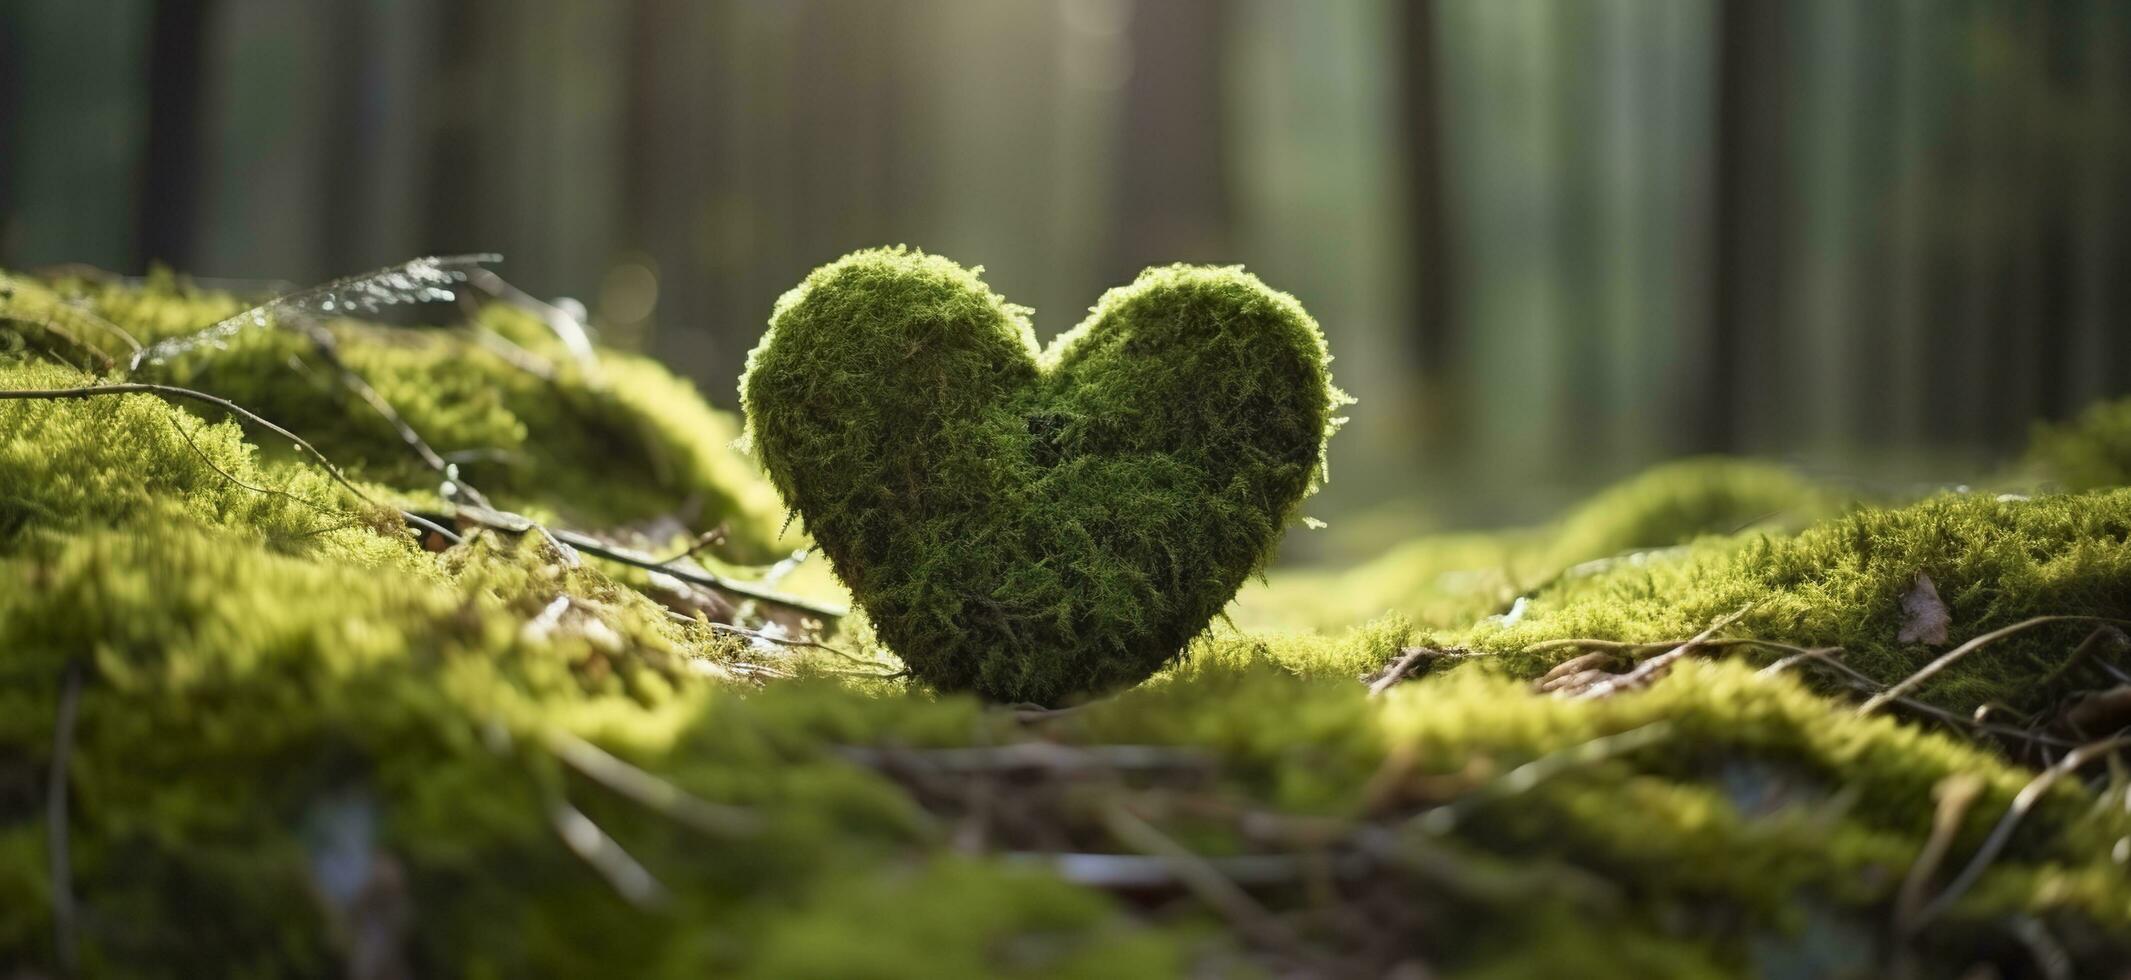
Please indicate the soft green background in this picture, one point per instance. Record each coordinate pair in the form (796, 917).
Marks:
(1551, 241)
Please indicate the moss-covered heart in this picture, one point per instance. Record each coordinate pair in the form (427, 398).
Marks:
(1038, 524)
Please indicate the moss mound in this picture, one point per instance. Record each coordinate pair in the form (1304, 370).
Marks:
(1994, 561)
(600, 444)
(432, 794)
(251, 725)
(2093, 450)
(1448, 580)
(1037, 525)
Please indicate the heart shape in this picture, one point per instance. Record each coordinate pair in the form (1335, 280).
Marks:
(1035, 525)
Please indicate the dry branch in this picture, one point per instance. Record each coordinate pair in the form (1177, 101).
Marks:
(652, 792)
(585, 839)
(1650, 670)
(2001, 834)
(55, 816)
(1930, 670)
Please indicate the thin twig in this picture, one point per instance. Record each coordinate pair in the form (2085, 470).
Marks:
(2050, 956)
(1204, 880)
(1800, 655)
(231, 477)
(429, 525)
(1029, 712)
(172, 391)
(563, 325)
(802, 643)
(55, 802)
(1138, 871)
(2001, 834)
(1649, 670)
(2103, 639)
(1956, 794)
(1930, 670)
(1829, 659)
(1616, 646)
(783, 641)
(1524, 778)
(1049, 757)
(698, 543)
(654, 793)
(871, 675)
(1634, 648)
(519, 524)
(1826, 657)
(586, 840)
(93, 319)
(175, 392)
(103, 360)
(329, 350)
(1405, 665)
(76, 311)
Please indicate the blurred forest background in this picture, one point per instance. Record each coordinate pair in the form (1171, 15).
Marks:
(1551, 241)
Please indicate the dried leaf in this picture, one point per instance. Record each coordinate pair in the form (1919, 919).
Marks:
(1925, 617)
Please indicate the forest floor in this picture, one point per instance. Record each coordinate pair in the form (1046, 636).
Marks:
(329, 645)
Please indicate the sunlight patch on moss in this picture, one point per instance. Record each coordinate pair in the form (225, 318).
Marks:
(1447, 580)
(531, 428)
(1996, 561)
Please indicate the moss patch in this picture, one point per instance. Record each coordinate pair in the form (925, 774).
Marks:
(414, 731)
(1449, 580)
(500, 398)
(1996, 560)
(1036, 525)
(302, 745)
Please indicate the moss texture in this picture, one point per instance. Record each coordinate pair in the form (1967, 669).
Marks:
(1449, 580)
(304, 745)
(411, 729)
(1995, 560)
(1039, 524)
(522, 420)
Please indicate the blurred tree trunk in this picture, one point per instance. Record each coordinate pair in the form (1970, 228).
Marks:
(1173, 199)
(351, 137)
(1435, 348)
(458, 60)
(168, 223)
(2100, 350)
(1746, 297)
(12, 43)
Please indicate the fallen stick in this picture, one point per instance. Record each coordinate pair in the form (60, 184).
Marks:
(1930, 670)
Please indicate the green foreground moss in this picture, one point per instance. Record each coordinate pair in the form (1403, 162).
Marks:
(301, 740)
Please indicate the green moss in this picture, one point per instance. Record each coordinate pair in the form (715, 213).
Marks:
(2093, 450)
(299, 733)
(1449, 580)
(406, 720)
(1057, 930)
(1759, 802)
(135, 459)
(523, 421)
(1995, 560)
(1036, 525)
(1677, 502)
(419, 711)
